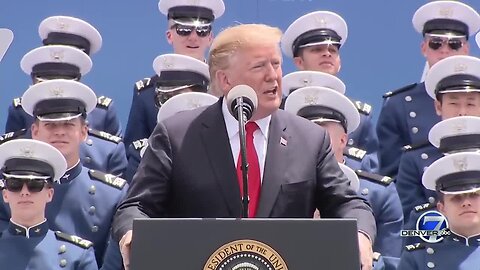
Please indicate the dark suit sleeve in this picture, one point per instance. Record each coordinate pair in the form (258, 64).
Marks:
(335, 198)
(148, 194)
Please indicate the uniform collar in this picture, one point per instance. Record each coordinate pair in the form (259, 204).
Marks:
(33, 231)
(232, 123)
(467, 241)
(71, 173)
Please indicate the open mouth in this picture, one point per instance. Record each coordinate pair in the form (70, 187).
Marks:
(272, 91)
(193, 47)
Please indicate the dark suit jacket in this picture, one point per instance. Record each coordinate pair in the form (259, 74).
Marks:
(188, 171)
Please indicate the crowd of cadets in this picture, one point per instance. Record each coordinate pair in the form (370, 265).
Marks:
(429, 124)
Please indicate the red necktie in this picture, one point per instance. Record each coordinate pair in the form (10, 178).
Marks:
(253, 170)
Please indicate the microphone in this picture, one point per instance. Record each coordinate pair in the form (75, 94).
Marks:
(242, 100)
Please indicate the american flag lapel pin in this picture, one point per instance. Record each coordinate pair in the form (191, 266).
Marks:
(283, 141)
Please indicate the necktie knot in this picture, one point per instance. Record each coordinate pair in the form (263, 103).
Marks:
(250, 127)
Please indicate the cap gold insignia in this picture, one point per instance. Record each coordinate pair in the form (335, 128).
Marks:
(459, 127)
(26, 152)
(306, 81)
(61, 25)
(167, 62)
(320, 22)
(460, 68)
(460, 164)
(311, 99)
(193, 103)
(56, 56)
(56, 92)
(445, 12)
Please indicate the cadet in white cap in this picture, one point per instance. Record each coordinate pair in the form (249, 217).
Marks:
(178, 103)
(454, 83)
(407, 114)
(176, 74)
(314, 42)
(85, 200)
(29, 170)
(190, 33)
(298, 79)
(74, 32)
(6, 38)
(336, 113)
(101, 151)
(456, 180)
(70, 31)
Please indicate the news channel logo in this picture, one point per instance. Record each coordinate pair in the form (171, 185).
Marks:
(431, 227)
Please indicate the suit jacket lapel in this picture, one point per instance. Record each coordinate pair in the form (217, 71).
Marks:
(217, 146)
(275, 163)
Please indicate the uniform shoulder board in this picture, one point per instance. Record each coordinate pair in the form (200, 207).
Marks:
(424, 207)
(12, 135)
(416, 246)
(354, 152)
(139, 144)
(104, 135)
(144, 83)
(108, 179)
(363, 107)
(73, 239)
(398, 91)
(410, 147)
(384, 180)
(17, 102)
(104, 101)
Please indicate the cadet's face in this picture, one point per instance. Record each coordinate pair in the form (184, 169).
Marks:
(338, 138)
(66, 136)
(191, 45)
(324, 58)
(259, 67)
(433, 56)
(28, 207)
(462, 212)
(458, 104)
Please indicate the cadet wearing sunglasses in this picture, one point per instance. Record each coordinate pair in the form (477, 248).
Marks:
(85, 200)
(29, 169)
(183, 18)
(408, 113)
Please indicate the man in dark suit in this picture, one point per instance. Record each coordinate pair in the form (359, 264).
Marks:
(188, 169)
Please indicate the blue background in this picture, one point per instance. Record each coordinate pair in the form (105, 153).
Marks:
(382, 52)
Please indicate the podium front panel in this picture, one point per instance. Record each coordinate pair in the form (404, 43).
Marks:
(246, 244)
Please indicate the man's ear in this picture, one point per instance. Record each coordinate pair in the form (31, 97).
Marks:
(298, 61)
(438, 107)
(168, 35)
(222, 81)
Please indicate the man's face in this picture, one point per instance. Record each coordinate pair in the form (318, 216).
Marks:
(462, 212)
(442, 48)
(338, 138)
(27, 206)
(189, 40)
(66, 136)
(458, 104)
(323, 58)
(259, 67)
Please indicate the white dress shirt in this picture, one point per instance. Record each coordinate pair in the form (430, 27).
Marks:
(260, 137)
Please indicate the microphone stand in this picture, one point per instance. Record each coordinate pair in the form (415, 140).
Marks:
(242, 119)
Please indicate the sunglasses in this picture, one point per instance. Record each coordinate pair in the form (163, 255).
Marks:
(16, 184)
(436, 43)
(186, 30)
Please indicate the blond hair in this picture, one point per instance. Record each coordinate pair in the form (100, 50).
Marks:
(233, 39)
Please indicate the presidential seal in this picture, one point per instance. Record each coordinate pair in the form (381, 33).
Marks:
(245, 255)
